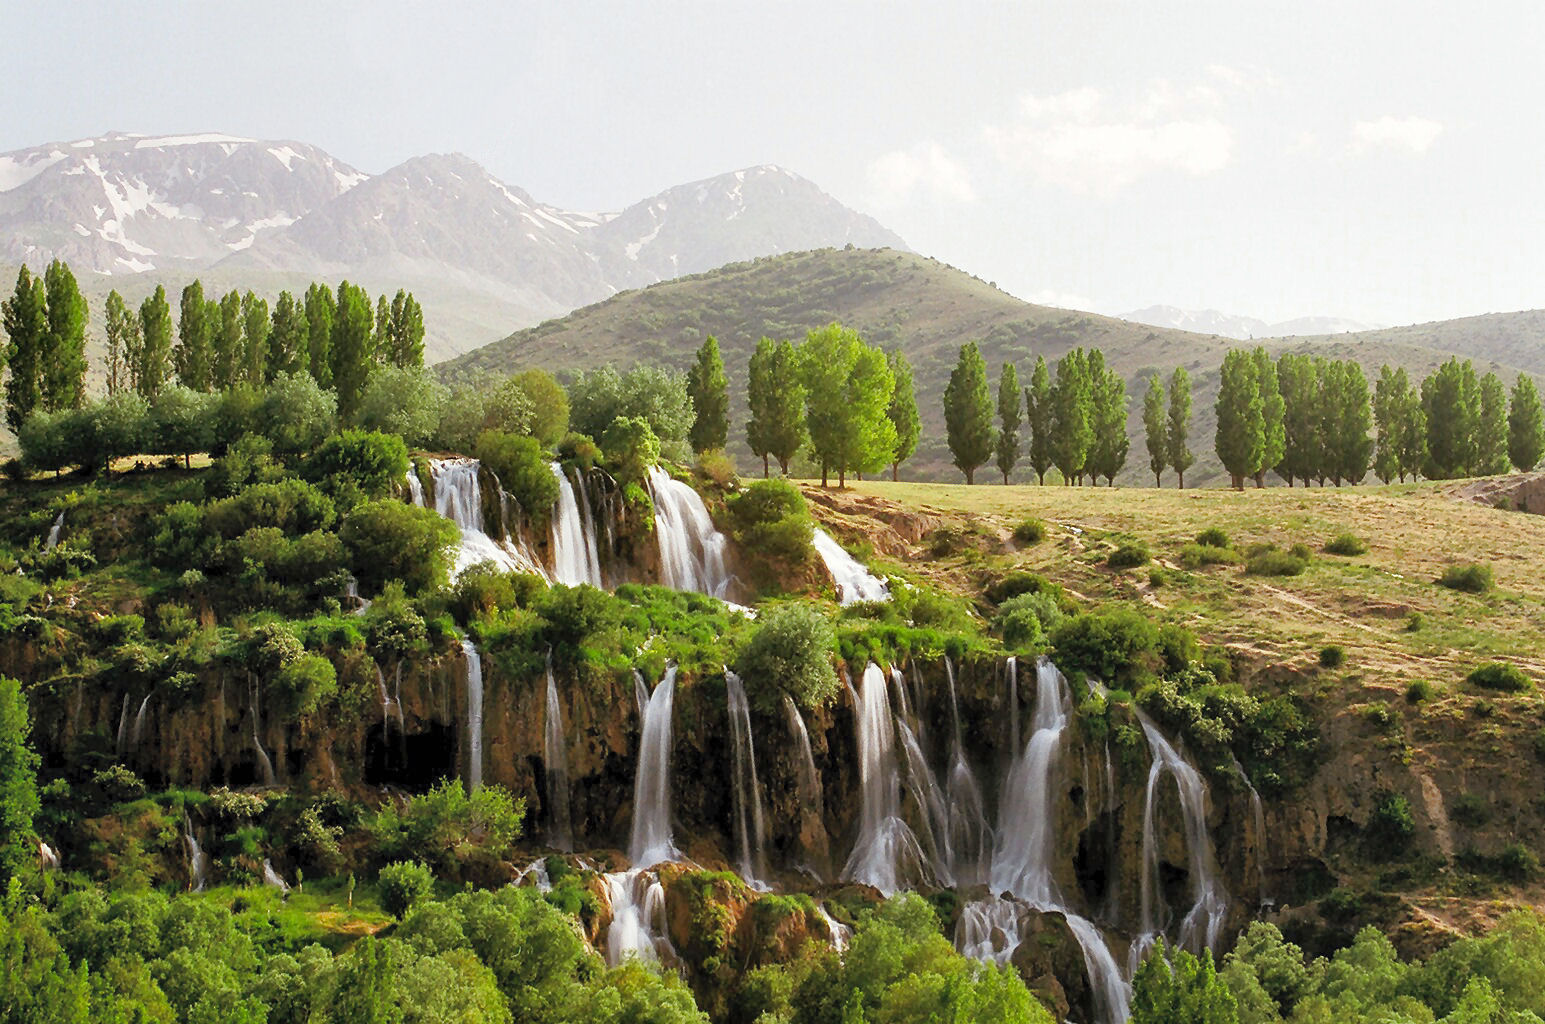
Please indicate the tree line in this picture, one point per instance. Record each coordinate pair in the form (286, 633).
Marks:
(1310, 419)
(337, 336)
(1075, 422)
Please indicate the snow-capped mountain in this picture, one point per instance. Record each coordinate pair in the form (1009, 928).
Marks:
(1229, 325)
(485, 257)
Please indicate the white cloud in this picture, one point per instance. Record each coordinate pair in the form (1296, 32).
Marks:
(897, 177)
(1412, 134)
(1082, 142)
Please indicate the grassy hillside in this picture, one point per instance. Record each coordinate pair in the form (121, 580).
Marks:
(896, 300)
(1506, 339)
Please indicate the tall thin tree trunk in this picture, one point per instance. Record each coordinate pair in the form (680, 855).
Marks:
(1180, 479)
(764, 467)
(895, 472)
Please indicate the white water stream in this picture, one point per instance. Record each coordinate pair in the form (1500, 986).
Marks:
(852, 581)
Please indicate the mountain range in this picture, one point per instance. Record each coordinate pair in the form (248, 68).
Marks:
(1243, 328)
(130, 212)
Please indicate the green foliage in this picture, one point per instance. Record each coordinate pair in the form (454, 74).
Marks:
(446, 824)
(1273, 562)
(19, 801)
(770, 518)
(406, 401)
(1115, 646)
(790, 653)
(1346, 544)
(848, 390)
(372, 462)
(1128, 555)
(1030, 531)
(1525, 425)
(1240, 441)
(775, 393)
(523, 470)
(1500, 676)
(902, 410)
(1007, 442)
(402, 885)
(306, 684)
(631, 448)
(1172, 986)
(1332, 657)
(1177, 435)
(1024, 620)
(1194, 556)
(709, 390)
(1471, 579)
(1420, 691)
(351, 348)
(296, 414)
(1156, 429)
(392, 540)
(1470, 809)
(658, 397)
(1390, 826)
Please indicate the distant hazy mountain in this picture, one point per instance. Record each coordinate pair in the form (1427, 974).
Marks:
(1229, 325)
(484, 256)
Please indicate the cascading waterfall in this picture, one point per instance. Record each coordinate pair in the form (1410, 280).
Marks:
(638, 916)
(556, 758)
(886, 855)
(537, 872)
(139, 725)
(692, 551)
(271, 878)
(53, 533)
(840, 933)
(123, 727)
(970, 837)
(750, 826)
(1023, 855)
(811, 800)
(1202, 925)
(459, 498)
(474, 714)
(927, 794)
(852, 581)
(263, 759)
(198, 861)
(48, 856)
(576, 558)
(650, 842)
(415, 488)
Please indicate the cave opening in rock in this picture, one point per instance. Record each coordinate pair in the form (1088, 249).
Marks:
(414, 762)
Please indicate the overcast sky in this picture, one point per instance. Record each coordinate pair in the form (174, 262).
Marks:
(1377, 161)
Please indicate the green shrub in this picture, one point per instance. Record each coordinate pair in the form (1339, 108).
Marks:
(1483, 708)
(717, 467)
(580, 452)
(1517, 862)
(1213, 537)
(1156, 577)
(1301, 552)
(1194, 556)
(1020, 582)
(1471, 579)
(790, 652)
(523, 470)
(292, 506)
(1414, 622)
(1391, 826)
(631, 448)
(1272, 562)
(1419, 692)
(1128, 556)
(1332, 656)
(771, 518)
(295, 413)
(1114, 646)
(1030, 531)
(402, 884)
(1342, 905)
(1470, 810)
(374, 462)
(1500, 676)
(392, 540)
(1346, 544)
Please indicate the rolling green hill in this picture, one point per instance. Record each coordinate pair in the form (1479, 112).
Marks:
(918, 304)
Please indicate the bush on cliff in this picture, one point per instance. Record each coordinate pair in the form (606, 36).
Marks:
(392, 540)
(790, 653)
(770, 518)
(523, 470)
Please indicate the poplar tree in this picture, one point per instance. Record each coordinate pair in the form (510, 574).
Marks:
(320, 310)
(1109, 442)
(406, 333)
(1389, 401)
(1525, 425)
(760, 400)
(1240, 439)
(286, 338)
(254, 339)
(1297, 377)
(116, 324)
(1039, 416)
(1179, 433)
(25, 318)
(381, 345)
(848, 388)
(63, 355)
(1273, 435)
(968, 412)
(709, 390)
(1451, 408)
(1008, 420)
(1413, 435)
(192, 355)
(1154, 429)
(903, 411)
(1491, 439)
(228, 360)
(155, 327)
(352, 343)
(1071, 430)
(1347, 439)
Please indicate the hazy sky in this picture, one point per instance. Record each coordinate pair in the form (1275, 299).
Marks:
(1380, 161)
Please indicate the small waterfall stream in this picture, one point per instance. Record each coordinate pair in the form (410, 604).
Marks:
(692, 551)
(650, 842)
(852, 581)
(750, 826)
(198, 861)
(53, 533)
(415, 488)
(555, 757)
(887, 854)
(263, 760)
(48, 856)
(139, 725)
(474, 714)
(123, 729)
(970, 836)
(271, 878)
(459, 497)
(575, 555)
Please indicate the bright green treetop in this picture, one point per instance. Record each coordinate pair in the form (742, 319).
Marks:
(1179, 432)
(968, 412)
(1155, 431)
(1008, 420)
(903, 411)
(155, 327)
(1039, 417)
(1525, 425)
(64, 350)
(710, 392)
(192, 355)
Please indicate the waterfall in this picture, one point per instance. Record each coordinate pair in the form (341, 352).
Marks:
(123, 727)
(271, 878)
(886, 854)
(1203, 924)
(198, 861)
(415, 488)
(811, 800)
(691, 550)
(53, 533)
(1011, 668)
(555, 757)
(459, 498)
(852, 581)
(267, 765)
(638, 916)
(474, 715)
(1023, 855)
(970, 837)
(650, 842)
(576, 559)
(48, 856)
(929, 795)
(139, 725)
(838, 932)
(750, 827)
(537, 872)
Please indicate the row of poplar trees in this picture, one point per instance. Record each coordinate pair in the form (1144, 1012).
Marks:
(850, 402)
(1308, 418)
(1076, 422)
(337, 336)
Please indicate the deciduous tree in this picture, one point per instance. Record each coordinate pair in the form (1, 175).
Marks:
(1155, 430)
(903, 411)
(320, 309)
(1008, 420)
(1040, 415)
(63, 356)
(353, 348)
(1179, 432)
(1240, 439)
(968, 412)
(287, 338)
(155, 327)
(1072, 429)
(25, 318)
(192, 355)
(1525, 425)
(709, 389)
(848, 388)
